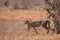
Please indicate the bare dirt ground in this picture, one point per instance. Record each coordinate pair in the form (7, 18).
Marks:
(12, 26)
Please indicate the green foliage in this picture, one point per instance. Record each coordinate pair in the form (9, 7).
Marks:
(55, 10)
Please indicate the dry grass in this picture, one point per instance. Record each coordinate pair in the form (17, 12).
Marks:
(12, 25)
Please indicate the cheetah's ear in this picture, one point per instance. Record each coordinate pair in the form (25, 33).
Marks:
(29, 20)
